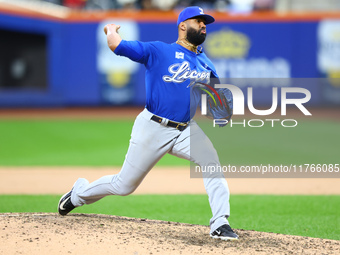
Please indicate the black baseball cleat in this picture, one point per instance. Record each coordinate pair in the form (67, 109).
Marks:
(224, 232)
(65, 205)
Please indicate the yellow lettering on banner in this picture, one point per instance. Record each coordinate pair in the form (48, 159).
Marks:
(227, 43)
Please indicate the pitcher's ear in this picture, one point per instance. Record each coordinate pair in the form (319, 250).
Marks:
(182, 26)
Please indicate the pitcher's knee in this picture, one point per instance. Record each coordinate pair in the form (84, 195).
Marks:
(125, 190)
(122, 186)
(207, 158)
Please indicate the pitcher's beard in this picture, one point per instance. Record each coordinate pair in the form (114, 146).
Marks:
(195, 37)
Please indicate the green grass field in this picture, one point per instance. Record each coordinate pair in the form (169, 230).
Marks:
(313, 216)
(104, 143)
(67, 143)
(310, 142)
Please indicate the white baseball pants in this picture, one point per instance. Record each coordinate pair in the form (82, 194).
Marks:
(150, 141)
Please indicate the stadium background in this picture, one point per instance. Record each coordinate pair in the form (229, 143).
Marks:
(67, 105)
(65, 61)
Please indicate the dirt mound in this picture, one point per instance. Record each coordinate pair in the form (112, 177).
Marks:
(33, 233)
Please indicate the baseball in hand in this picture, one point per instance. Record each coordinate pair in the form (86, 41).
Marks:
(108, 29)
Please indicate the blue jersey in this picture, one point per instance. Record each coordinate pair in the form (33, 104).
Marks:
(171, 70)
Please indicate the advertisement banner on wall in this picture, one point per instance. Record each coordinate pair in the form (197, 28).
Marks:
(329, 59)
(230, 51)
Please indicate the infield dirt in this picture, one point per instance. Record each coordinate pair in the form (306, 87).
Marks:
(160, 180)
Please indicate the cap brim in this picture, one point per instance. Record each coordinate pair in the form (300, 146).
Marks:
(208, 19)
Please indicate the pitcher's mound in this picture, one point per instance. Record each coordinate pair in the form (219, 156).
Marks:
(48, 233)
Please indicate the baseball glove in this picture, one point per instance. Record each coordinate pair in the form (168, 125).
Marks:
(218, 110)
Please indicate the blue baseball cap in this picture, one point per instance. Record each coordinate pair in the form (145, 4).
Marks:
(192, 12)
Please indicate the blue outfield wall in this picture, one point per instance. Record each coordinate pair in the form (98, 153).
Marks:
(83, 72)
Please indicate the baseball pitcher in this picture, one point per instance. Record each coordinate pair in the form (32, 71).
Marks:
(173, 71)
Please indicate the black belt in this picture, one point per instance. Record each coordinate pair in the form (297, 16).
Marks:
(177, 125)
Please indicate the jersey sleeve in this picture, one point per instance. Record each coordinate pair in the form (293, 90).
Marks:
(211, 67)
(141, 52)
